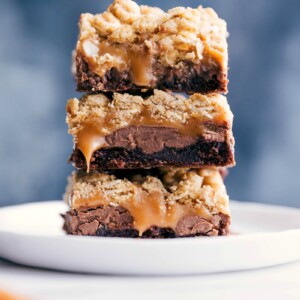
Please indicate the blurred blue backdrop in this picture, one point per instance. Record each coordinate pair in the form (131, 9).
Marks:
(35, 82)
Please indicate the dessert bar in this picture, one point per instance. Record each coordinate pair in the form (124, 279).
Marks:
(132, 47)
(157, 203)
(126, 131)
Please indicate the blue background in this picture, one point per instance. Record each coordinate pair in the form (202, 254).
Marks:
(36, 39)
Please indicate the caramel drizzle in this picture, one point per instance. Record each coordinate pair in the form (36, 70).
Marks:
(148, 209)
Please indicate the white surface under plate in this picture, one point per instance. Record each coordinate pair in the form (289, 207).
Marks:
(267, 235)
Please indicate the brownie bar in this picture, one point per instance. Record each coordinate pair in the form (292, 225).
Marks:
(156, 203)
(114, 221)
(131, 47)
(127, 131)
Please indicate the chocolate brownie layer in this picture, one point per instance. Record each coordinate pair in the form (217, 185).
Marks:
(188, 78)
(132, 47)
(114, 221)
(154, 149)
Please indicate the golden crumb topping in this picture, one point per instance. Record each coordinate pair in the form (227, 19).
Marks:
(113, 38)
(201, 189)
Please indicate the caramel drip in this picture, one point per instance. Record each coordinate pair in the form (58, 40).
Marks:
(90, 139)
(141, 68)
(138, 63)
(148, 209)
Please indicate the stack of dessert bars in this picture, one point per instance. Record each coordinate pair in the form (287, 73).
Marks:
(153, 134)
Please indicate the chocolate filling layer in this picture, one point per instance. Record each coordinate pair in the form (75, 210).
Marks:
(149, 139)
(117, 222)
(189, 78)
(135, 147)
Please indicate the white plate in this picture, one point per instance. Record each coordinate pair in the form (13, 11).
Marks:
(268, 235)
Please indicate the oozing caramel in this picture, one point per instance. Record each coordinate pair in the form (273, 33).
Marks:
(138, 63)
(148, 209)
(90, 139)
